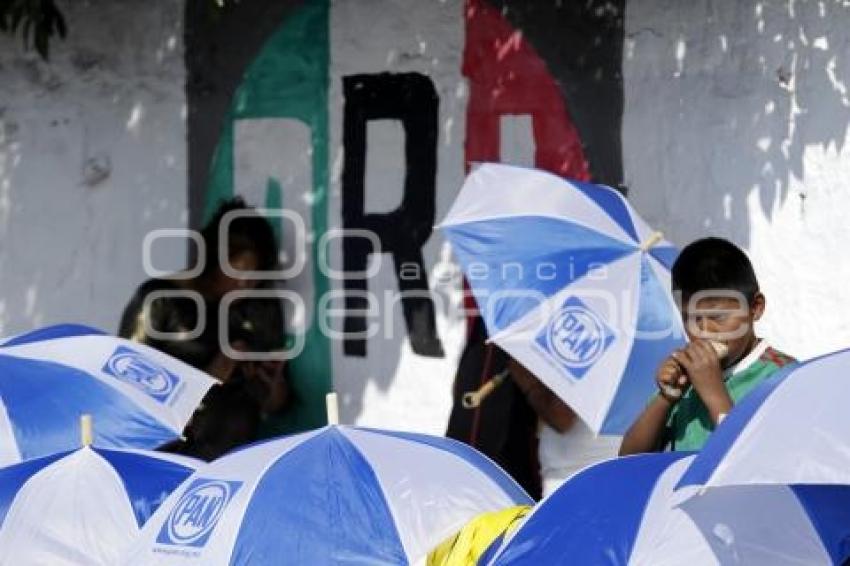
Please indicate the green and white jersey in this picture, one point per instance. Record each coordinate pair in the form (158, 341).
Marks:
(689, 424)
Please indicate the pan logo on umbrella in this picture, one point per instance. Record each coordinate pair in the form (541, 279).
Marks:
(197, 512)
(137, 370)
(575, 338)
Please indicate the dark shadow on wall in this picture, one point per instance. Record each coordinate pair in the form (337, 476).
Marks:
(725, 97)
(581, 43)
(219, 47)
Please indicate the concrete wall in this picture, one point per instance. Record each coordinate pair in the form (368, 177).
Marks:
(92, 157)
(736, 125)
(732, 117)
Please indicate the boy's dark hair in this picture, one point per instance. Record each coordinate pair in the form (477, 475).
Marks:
(714, 263)
(251, 232)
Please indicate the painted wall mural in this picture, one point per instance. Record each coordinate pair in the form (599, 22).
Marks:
(362, 118)
(722, 118)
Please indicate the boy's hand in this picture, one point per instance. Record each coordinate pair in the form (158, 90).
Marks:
(671, 380)
(702, 364)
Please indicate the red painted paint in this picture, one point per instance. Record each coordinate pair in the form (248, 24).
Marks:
(507, 77)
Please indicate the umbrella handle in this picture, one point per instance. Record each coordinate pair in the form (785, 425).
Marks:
(473, 399)
(653, 239)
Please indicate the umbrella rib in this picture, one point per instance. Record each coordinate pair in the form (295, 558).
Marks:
(448, 223)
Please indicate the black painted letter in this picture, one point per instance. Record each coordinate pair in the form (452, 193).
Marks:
(412, 99)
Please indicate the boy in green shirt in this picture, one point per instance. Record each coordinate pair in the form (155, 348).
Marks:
(720, 301)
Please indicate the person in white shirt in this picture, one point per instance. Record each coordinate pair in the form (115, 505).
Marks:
(566, 444)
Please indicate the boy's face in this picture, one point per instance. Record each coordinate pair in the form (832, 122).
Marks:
(723, 316)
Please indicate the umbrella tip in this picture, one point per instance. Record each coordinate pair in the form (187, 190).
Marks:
(86, 430)
(332, 406)
(651, 241)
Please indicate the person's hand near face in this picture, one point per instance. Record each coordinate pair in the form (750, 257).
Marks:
(725, 318)
(267, 383)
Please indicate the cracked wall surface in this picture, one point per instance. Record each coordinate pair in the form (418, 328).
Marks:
(92, 157)
(735, 125)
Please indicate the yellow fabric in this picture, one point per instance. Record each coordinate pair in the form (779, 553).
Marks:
(467, 546)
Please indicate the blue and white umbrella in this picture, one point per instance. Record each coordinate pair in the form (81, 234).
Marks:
(83, 507)
(337, 495)
(51, 332)
(138, 396)
(626, 512)
(572, 283)
(792, 429)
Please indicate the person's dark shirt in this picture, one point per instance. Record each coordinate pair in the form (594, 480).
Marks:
(171, 314)
(230, 414)
(229, 417)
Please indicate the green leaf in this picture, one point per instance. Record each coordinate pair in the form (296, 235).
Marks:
(17, 16)
(60, 24)
(41, 42)
(26, 32)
